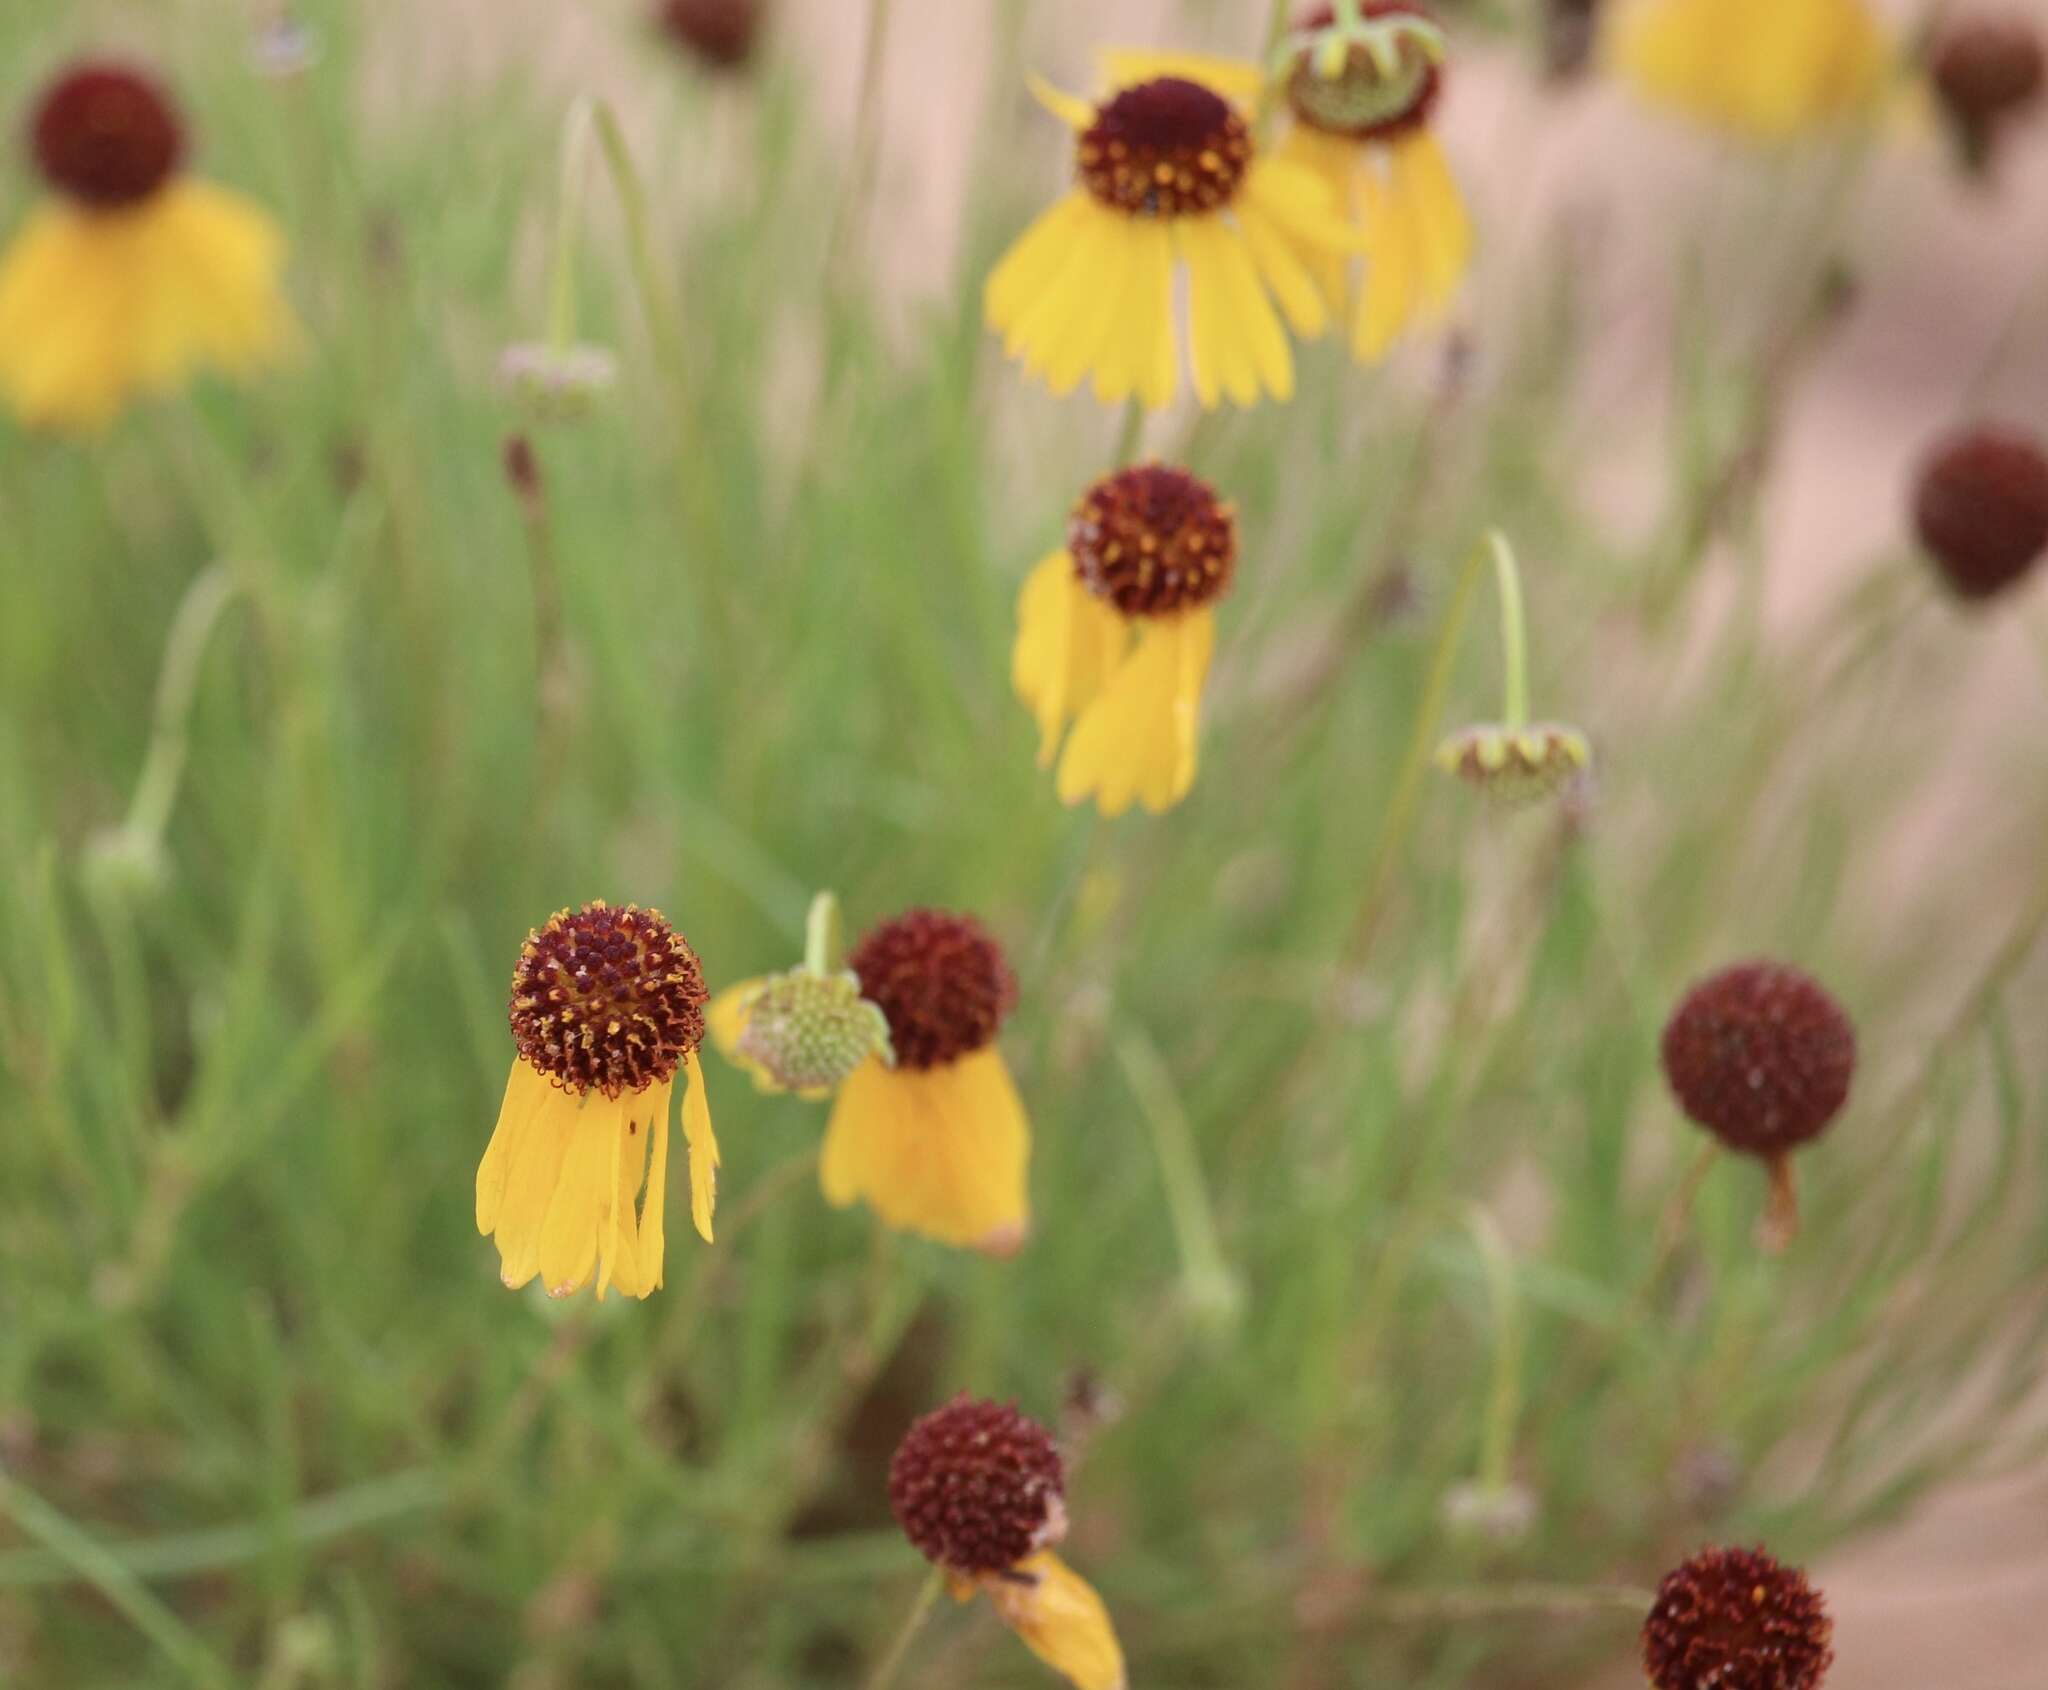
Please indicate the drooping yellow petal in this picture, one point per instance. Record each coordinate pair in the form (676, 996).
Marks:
(1032, 263)
(1068, 641)
(1236, 80)
(1137, 354)
(1282, 270)
(1388, 299)
(1061, 1619)
(99, 308)
(1050, 321)
(653, 1240)
(525, 1091)
(1070, 109)
(580, 1208)
(1438, 222)
(1087, 341)
(1258, 325)
(1763, 69)
(535, 1172)
(726, 1020)
(1140, 738)
(943, 1151)
(703, 1148)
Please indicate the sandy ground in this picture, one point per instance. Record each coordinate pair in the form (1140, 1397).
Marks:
(1951, 318)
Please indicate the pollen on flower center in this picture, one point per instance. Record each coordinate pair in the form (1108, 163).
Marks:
(1740, 1620)
(1165, 148)
(1153, 540)
(106, 135)
(939, 980)
(1358, 98)
(607, 999)
(1761, 1056)
(978, 1486)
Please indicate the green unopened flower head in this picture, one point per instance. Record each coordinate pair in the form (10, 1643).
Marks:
(1517, 766)
(806, 1032)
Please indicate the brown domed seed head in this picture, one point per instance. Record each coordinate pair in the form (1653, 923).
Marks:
(1165, 148)
(1761, 1056)
(978, 1486)
(1986, 69)
(1361, 102)
(940, 982)
(106, 135)
(607, 999)
(1735, 1619)
(720, 32)
(1981, 506)
(1153, 540)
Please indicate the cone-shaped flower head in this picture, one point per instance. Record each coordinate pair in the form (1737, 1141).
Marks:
(941, 983)
(720, 32)
(1761, 1056)
(1981, 506)
(1988, 68)
(1735, 1619)
(978, 1488)
(130, 276)
(607, 1007)
(1115, 632)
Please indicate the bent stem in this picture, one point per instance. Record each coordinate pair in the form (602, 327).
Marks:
(163, 766)
(898, 1651)
(1514, 634)
(824, 936)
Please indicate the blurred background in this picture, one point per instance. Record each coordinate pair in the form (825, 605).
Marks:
(740, 631)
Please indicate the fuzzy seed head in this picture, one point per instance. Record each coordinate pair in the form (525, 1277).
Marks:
(807, 1032)
(106, 135)
(977, 1486)
(940, 981)
(1165, 148)
(1761, 1056)
(1981, 507)
(1338, 85)
(1735, 1619)
(607, 999)
(1153, 541)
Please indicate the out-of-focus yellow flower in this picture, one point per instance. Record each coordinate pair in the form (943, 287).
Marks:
(1169, 179)
(134, 276)
(607, 1005)
(1767, 70)
(1361, 82)
(1115, 632)
(980, 1490)
(927, 1128)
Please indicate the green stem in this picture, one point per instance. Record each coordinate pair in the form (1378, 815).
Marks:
(568, 219)
(1400, 811)
(898, 1651)
(1211, 1287)
(1514, 634)
(654, 300)
(163, 767)
(824, 936)
(1504, 1401)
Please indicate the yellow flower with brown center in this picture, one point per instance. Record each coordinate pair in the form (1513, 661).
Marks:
(1115, 632)
(1169, 179)
(607, 1006)
(134, 276)
(1767, 70)
(980, 1491)
(1361, 82)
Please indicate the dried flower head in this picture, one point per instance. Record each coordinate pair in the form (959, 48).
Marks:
(1516, 766)
(1761, 1056)
(720, 32)
(806, 1032)
(1165, 148)
(939, 980)
(1981, 506)
(1153, 540)
(1372, 81)
(977, 1486)
(607, 999)
(1735, 1619)
(1987, 69)
(559, 382)
(106, 135)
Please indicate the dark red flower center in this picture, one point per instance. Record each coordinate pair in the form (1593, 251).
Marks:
(1982, 508)
(607, 999)
(1166, 148)
(106, 135)
(720, 32)
(1761, 1056)
(978, 1486)
(939, 980)
(1362, 100)
(1735, 1619)
(1153, 540)
(1986, 68)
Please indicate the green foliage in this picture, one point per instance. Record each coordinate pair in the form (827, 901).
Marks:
(261, 1395)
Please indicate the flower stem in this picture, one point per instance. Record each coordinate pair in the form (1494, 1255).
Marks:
(1514, 634)
(867, 140)
(893, 1658)
(1504, 1401)
(163, 768)
(824, 936)
(1400, 811)
(568, 219)
(1211, 1288)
